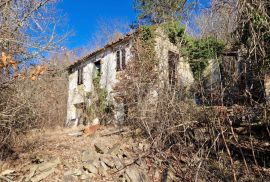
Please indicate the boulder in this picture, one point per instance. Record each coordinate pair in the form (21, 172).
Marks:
(95, 121)
(99, 149)
(89, 156)
(108, 160)
(69, 178)
(134, 174)
(90, 168)
(119, 164)
(42, 175)
(114, 150)
(49, 165)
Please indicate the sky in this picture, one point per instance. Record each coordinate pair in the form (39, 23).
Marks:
(84, 17)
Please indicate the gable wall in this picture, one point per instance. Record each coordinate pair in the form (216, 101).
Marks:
(77, 93)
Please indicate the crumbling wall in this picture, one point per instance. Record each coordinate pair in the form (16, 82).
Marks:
(163, 46)
(212, 73)
(77, 93)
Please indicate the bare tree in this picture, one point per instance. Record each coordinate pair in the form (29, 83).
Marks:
(218, 20)
(28, 29)
(108, 31)
(28, 32)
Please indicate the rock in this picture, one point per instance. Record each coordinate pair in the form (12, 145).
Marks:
(98, 149)
(42, 176)
(102, 171)
(48, 165)
(85, 177)
(140, 146)
(134, 174)
(6, 172)
(67, 173)
(72, 175)
(108, 160)
(32, 172)
(4, 166)
(77, 172)
(95, 122)
(89, 156)
(69, 178)
(90, 168)
(114, 149)
(76, 134)
(96, 163)
(119, 164)
(103, 166)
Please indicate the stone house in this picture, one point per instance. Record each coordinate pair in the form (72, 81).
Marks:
(112, 59)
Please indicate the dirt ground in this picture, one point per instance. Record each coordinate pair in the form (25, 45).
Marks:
(68, 155)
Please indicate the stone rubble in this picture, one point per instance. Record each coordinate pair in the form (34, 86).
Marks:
(101, 160)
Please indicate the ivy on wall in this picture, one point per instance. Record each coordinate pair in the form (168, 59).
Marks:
(99, 104)
(197, 50)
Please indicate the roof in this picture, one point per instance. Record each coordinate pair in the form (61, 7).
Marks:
(85, 58)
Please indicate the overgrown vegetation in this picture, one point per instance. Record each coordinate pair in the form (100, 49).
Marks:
(157, 12)
(198, 51)
(99, 106)
(225, 137)
(28, 34)
(218, 142)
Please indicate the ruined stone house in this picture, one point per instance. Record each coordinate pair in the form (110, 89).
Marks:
(235, 77)
(111, 60)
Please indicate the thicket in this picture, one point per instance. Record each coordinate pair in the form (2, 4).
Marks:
(193, 142)
(198, 51)
(99, 105)
(32, 102)
(27, 35)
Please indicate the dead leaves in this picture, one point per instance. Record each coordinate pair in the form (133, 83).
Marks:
(8, 64)
(36, 72)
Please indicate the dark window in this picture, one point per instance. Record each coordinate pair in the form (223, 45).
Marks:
(80, 76)
(121, 60)
(118, 61)
(98, 68)
(172, 62)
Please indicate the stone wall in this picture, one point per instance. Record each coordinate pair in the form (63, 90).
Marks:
(163, 46)
(77, 93)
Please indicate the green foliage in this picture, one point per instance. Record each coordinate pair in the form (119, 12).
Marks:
(147, 33)
(99, 104)
(174, 30)
(197, 67)
(252, 33)
(199, 51)
(206, 48)
(102, 94)
(157, 12)
(258, 19)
